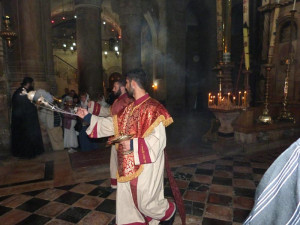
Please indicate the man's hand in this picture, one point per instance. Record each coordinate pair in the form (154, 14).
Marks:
(81, 112)
(90, 104)
(126, 145)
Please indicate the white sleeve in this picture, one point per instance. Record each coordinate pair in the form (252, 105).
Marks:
(100, 127)
(148, 149)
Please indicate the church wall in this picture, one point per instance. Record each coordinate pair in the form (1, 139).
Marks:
(278, 73)
(66, 76)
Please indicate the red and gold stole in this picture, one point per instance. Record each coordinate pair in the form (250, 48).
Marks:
(139, 118)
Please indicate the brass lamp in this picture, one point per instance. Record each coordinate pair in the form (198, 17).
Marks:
(7, 33)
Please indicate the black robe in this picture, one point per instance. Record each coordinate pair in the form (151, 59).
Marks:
(26, 138)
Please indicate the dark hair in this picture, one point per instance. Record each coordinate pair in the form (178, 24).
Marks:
(121, 81)
(139, 76)
(26, 80)
(83, 93)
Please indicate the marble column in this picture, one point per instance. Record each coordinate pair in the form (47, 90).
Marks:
(89, 46)
(131, 21)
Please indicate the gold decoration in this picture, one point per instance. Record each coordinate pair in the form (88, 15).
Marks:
(124, 179)
(265, 117)
(7, 33)
(285, 115)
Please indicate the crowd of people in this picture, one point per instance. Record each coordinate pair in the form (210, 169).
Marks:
(65, 131)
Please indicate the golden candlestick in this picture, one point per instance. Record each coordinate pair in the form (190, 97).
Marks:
(265, 117)
(7, 34)
(285, 115)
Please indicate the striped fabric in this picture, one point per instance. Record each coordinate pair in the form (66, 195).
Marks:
(277, 198)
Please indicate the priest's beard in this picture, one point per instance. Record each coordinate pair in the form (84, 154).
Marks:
(130, 91)
(118, 93)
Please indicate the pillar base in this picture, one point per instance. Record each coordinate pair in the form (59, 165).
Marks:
(226, 146)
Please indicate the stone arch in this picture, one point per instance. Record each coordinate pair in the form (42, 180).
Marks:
(154, 39)
(284, 25)
(281, 53)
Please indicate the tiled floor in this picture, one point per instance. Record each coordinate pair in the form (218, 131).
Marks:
(216, 192)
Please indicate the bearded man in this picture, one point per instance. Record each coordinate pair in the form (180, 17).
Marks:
(140, 192)
(122, 100)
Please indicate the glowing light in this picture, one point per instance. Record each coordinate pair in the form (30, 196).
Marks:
(74, 44)
(116, 48)
(64, 45)
(118, 53)
(71, 48)
(105, 53)
(52, 21)
(63, 18)
(155, 85)
(75, 16)
(104, 22)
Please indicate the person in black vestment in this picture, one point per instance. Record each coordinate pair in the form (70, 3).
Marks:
(26, 137)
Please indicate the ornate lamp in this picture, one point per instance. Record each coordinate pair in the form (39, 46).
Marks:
(7, 33)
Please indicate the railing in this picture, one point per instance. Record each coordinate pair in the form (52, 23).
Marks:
(66, 75)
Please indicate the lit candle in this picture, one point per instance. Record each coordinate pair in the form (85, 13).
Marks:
(239, 98)
(209, 97)
(228, 96)
(233, 100)
(243, 101)
(294, 6)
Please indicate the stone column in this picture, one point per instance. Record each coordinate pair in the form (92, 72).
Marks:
(175, 59)
(89, 46)
(131, 21)
(47, 45)
(31, 42)
(4, 99)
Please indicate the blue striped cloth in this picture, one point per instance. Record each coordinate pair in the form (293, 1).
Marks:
(277, 198)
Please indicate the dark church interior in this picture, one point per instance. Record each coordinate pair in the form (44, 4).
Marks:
(226, 72)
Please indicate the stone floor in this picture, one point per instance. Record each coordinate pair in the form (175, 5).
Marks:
(215, 190)
(58, 188)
